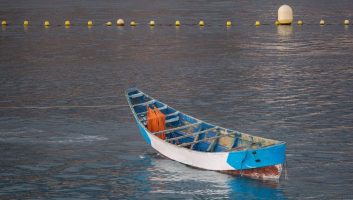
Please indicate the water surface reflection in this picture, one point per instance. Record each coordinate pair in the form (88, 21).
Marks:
(169, 177)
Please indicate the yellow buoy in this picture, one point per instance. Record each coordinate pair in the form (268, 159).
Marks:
(108, 23)
(346, 22)
(322, 22)
(300, 22)
(25, 23)
(177, 23)
(4, 23)
(120, 22)
(228, 23)
(257, 23)
(277, 22)
(133, 23)
(67, 23)
(285, 15)
(46, 23)
(89, 23)
(152, 23)
(201, 23)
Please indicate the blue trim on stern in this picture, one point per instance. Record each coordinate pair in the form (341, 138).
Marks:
(255, 158)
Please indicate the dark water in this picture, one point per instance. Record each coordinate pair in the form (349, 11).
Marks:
(288, 83)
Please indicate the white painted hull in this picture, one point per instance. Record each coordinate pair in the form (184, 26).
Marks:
(204, 160)
(211, 161)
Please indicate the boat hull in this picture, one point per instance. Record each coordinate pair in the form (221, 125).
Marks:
(236, 163)
(257, 158)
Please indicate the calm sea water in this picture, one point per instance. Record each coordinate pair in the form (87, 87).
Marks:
(287, 83)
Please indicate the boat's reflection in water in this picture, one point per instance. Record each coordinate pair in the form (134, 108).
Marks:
(170, 177)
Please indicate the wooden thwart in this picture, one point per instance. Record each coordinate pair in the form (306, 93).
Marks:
(172, 120)
(190, 135)
(171, 114)
(203, 140)
(177, 128)
(144, 103)
(160, 108)
(140, 94)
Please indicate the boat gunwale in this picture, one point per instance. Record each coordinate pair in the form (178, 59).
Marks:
(279, 143)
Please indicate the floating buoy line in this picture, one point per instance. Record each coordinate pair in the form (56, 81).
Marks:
(284, 17)
(201, 23)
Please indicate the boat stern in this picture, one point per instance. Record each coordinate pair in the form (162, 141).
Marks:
(261, 163)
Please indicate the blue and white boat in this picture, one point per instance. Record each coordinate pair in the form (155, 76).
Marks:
(203, 145)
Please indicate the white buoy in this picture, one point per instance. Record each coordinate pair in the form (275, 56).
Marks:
(120, 22)
(346, 22)
(285, 15)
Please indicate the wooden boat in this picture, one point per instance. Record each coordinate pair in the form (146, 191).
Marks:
(199, 144)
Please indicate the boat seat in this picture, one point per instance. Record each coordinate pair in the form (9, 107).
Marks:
(161, 108)
(144, 103)
(175, 119)
(198, 141)
(140, 94)
(143, 119)
(177, 128)
(172, 114)
(191, 135)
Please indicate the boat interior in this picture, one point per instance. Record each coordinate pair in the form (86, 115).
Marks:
(188, 132)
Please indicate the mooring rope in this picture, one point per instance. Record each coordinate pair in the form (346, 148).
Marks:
(63, 106)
